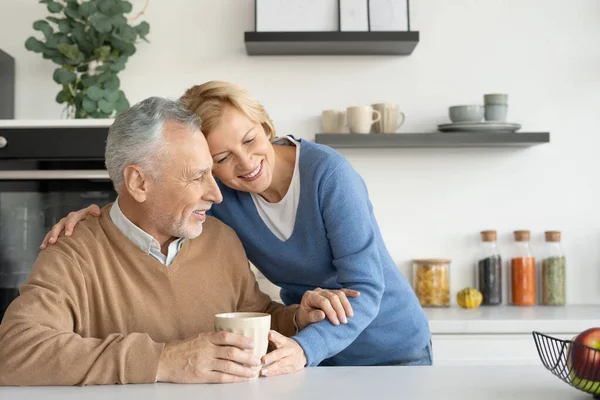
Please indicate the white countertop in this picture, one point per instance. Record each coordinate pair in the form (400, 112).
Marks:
(397, 383)
(513, 319)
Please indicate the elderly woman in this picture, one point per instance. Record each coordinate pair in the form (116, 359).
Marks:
(306, 222)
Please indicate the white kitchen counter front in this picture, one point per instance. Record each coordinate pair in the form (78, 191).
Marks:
(502, 335)
(410, 383)
(513, 319)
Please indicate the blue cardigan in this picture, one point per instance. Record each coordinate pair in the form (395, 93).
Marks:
(336, 243)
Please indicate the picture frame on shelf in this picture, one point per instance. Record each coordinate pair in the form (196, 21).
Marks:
(389, 15)
(296, 15)
(354, 15)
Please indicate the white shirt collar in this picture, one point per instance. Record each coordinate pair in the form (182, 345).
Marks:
(143, 240)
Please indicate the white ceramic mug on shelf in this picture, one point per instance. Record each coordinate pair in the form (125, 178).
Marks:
(333, 121)
(391, 118)
(362, 118)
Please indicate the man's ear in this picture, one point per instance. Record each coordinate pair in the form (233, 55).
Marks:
(136, 182)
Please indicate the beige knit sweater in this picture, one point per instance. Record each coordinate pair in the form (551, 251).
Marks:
(97, 310)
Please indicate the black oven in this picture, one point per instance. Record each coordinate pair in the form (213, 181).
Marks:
(45, 173)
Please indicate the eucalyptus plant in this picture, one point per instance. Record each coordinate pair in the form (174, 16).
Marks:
(91, 42)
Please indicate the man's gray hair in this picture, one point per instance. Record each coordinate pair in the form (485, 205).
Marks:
(135, 137)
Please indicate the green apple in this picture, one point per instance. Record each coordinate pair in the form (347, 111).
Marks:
(585, 385)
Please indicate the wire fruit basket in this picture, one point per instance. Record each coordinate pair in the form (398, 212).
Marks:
(574, 363)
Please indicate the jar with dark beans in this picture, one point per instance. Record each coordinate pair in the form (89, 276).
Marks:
(489, 270)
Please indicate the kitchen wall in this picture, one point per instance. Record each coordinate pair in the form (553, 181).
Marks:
(429, 202)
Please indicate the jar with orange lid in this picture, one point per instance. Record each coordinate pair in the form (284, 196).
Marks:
(431, 281)
(522, 271)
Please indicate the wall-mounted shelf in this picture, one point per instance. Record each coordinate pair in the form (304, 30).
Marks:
(331, 43)
(455, 139)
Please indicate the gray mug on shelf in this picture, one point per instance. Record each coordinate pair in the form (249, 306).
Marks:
(496, 107)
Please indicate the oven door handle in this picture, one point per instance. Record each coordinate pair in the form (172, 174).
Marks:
(37, 175)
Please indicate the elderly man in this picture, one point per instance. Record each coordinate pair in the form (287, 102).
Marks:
(131, 296)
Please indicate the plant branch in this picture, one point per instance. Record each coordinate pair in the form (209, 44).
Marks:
(141, 12)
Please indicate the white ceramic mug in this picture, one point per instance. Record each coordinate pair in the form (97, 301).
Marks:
(360, 119)
(391, 118)
(333, 121)
(253, 325)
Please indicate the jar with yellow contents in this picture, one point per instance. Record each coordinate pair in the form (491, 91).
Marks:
(431, 281)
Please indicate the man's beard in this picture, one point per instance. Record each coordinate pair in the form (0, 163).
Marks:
(178, 227)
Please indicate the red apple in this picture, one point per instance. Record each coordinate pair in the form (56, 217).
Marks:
(586, 360)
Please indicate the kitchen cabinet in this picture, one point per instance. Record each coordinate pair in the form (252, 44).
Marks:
(502, 335)
(7, 86)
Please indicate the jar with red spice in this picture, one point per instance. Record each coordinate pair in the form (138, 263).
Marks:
(522, 271)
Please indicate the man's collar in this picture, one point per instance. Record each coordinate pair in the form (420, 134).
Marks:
(138, 236)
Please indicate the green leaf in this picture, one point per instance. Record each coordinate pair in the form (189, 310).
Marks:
(63, 76)
(71, 51)
(43, 27)
(96, 38)
(79, 36)
(107, 7)
(111, 97)
(59, 59)
(102, 53)
(63, 96)
(127, 49)
(114, 55)
(77, 61)
(32, 44)
(101, 23)
(142, 29)
(54, 7)
(89, 105)
(88, 81)
(106, 106)
(104, 68)
(95, 93)
(126, 7)
(112, 84)
(87, 9)
(103, 77)
(54, 19)
(122, 104)
(50, 53)
(128, 34)
(119, 65)
(56, 39)
(79, 96)
(64, 26)
(119, 21)
(72, 10)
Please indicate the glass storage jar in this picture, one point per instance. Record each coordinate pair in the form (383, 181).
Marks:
(522, 271)
(553, 285)
(488, 270)
(431, 281)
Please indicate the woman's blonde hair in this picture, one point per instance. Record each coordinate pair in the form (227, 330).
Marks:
(208, 100)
